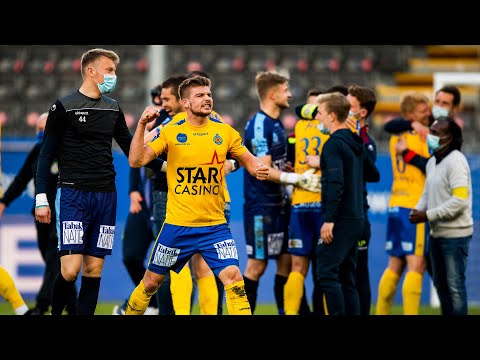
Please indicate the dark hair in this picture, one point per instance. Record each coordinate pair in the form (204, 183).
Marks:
(315, 92)
(452, 89)
(365, 96)
(455, 131)
(342, 89)
(183, 89)
(174, 83)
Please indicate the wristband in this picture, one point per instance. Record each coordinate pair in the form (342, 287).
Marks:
(234, 164)
(41, 200)
(288, 178)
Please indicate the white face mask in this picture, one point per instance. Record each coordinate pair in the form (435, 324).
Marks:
(108, 84)
(438, 112)
(323, 129)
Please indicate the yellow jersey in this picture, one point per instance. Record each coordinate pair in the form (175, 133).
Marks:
(195, 171)
(214, 115)
(408, 180)
(309, 140)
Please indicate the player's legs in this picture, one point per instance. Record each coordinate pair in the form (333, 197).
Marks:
(140, 297)
(10, 293)
(181, 285)
(207, 286)
(294, 287)
(362, 273)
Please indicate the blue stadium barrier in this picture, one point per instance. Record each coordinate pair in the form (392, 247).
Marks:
(19, 254)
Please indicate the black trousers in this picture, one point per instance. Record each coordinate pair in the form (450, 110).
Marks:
(336, 268)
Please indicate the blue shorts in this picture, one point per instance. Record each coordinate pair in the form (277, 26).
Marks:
(305, 223)
(266, 234)
(403, 237)
(86, 221)
(175, 245)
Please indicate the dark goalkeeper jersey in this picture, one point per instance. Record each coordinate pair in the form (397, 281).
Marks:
(80, 130)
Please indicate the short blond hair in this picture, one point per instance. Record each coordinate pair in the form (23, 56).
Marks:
(93, 54)
(410, 100)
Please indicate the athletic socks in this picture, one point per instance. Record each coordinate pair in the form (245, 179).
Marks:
(62, 290)
(278, 286)
(138, 301)
(207, 295)
(88, 296)
(10, 293)
(412, 292)
(251, 288)
(293, 292)
(237, 300)
(181, 287)
(387, 287)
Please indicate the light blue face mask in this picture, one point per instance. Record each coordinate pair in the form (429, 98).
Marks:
(108, 84)
(438, 111)
(323, 129)
(433, 142)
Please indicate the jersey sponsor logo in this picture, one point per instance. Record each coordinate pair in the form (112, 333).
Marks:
(226, 249)
(165, 256)
(182, 138)
(205, 179)
(72, 232)
(200, 134)
(275, 242)
(217, 139)
(105, 237)
(295, 243)
(81, 112)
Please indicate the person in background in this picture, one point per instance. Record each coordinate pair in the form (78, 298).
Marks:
(446, 203)
(266, 202)
(406, 243)
(46, 233)
(362, 104)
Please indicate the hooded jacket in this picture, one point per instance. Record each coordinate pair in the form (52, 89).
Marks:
(342, 163)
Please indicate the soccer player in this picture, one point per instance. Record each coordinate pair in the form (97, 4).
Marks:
(406, 243)
(195, 222)
(305, 208)
(266, 203)
(80, 129)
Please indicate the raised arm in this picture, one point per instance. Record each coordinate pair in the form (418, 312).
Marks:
(141, 154)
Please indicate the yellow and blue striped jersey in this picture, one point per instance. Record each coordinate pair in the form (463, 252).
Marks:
(195, 171)
(408, 180)
(308, 141)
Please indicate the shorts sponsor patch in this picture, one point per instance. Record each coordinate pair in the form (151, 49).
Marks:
(388, 245)
(105, 237)
(249, 249)
(275, 242)
(295, 244)
(407, 246)
(165, 256)
(226, 249)
(72, 232)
